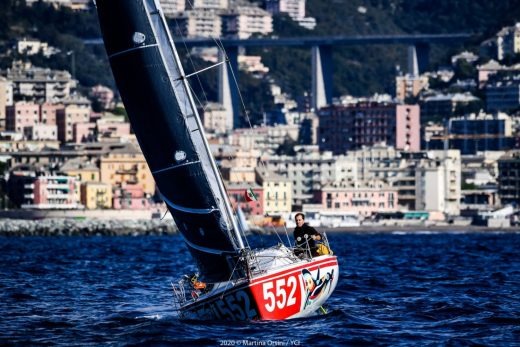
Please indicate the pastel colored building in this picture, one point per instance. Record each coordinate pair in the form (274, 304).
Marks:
(68, 116)
(130, 196)
(48, 113)
(237, 196)
(244, 21)
(277, 192)
(39, 132)
(96, 195)
(84, 132)
(409, 86)
(6, 99)
(83, 170)
(216, 118)
(22, 114)
(54, 192)
(364, 200)
(112, 128)
(352, 126)
(407, 129)
(126, 165)
(104, 95)
(40, 84)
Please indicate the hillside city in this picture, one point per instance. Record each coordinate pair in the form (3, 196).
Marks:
(444, 150)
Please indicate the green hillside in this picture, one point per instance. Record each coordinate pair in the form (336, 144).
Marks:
(358, 71)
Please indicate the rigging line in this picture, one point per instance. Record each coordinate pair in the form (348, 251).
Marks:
(197, 98)
(287, 234)
(243, 231)
(229, 280)
(274, 230)
(246, 113)
(189, 56)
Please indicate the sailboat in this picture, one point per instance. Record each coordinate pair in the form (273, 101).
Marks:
(234, 282)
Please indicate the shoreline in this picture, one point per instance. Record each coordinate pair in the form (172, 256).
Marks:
(89, 227)
(156, 227)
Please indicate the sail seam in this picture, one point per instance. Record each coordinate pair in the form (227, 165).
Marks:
(176, 166)
(205, 249)
(188, 209)
(131, 49)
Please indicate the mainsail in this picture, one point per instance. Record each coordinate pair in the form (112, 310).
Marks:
(157, 98)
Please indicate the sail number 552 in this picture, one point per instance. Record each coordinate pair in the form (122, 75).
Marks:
(280, 293)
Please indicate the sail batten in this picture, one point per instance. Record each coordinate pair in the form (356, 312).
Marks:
(130, 50)
(169, 132)
(173, 167)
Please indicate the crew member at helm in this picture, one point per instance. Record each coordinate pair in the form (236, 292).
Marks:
(305, 236)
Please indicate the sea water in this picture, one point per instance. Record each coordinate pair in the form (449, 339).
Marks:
(394, 289)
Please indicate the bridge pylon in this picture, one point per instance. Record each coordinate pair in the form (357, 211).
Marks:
(321, 76)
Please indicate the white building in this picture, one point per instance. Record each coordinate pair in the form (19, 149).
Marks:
(40, 132)
(171, 8)
(308, 171)
(294, 8)
(200, 23)
(508, 41)
(6, 98)
(438, 182)
(244, 21)
(266, 139)
(40, 84)
(211, 4)
(216, 118)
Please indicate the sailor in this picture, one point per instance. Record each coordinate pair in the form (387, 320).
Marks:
(305, 236)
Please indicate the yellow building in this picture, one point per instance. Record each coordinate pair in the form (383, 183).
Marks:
(83, 171)
(96, 195)
(277, 193)
(126, 165)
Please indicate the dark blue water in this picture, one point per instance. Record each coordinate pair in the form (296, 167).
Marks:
(410, 290)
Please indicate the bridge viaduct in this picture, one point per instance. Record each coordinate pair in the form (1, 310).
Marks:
(321, 48)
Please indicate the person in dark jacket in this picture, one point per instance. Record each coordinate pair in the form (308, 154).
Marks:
(305, 235)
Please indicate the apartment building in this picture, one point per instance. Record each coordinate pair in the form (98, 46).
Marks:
(68, 116)
(22, 114)
(348, 127)
(509, 178)
(6, 99)
(409, 86)
(130, 196)
(39, 84)
(308, 171)
(53, 192)
(503, 94)
(243, 21)
(481, 132)
(126, 164)
(294, 8)
(438, 180)
(366, 199)
(277, 192)
(48, 113)
(41, 132)
(96, 195)
(199, 23)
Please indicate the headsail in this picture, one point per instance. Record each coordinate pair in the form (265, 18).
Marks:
(160, 107)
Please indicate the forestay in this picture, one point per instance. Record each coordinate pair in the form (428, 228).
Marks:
(155, 94)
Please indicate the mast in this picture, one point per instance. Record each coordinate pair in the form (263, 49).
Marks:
(216, 172)
(162, 111)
